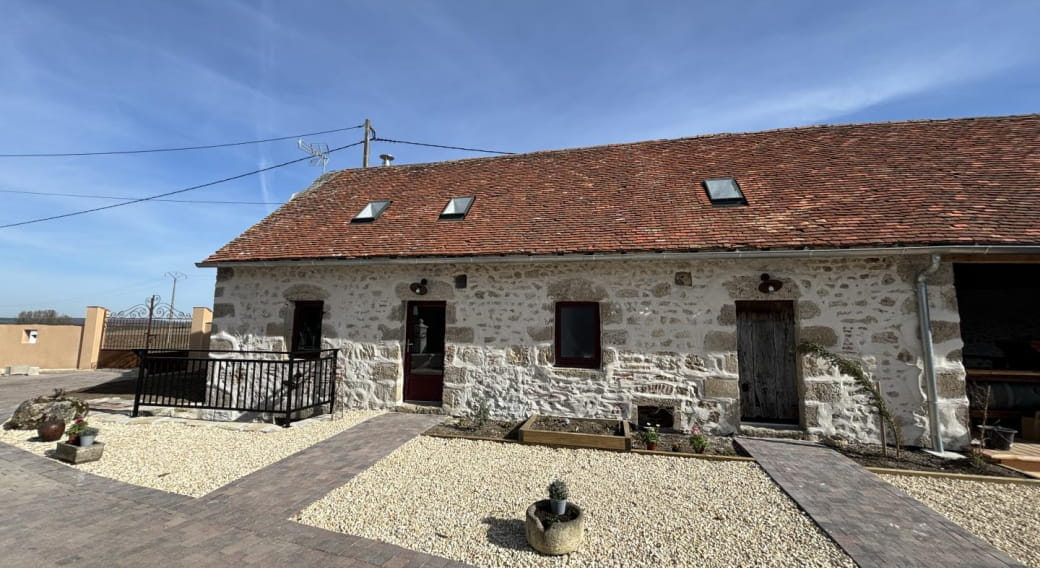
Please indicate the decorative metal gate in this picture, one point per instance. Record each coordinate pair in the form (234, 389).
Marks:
(151, 325)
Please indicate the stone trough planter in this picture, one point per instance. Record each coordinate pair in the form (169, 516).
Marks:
(79, 454)
(619, 442)
(555, 538)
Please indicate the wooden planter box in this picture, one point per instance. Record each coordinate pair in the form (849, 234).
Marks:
(622, 443)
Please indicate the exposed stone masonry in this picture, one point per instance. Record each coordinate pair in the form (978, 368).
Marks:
(668, 335)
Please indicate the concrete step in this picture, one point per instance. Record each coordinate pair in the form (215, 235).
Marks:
(419, 408)
(761, 430)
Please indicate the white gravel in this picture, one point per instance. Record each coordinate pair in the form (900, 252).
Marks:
(190, 460)
(465, 500)
(1007, 515)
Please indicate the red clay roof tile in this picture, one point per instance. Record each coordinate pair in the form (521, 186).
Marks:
(974, 181)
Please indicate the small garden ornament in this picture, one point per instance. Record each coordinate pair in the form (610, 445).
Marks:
(52, 427)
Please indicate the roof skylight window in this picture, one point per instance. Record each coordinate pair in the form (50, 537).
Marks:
(457, 208)
(724, 191)
(371, 212)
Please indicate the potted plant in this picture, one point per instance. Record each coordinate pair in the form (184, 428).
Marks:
(558, 493)
(75, 431)
(651, 435)
(551, 532)
(87, 436)
(698, 441)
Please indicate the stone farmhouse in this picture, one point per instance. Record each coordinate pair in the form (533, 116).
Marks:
(668, 280)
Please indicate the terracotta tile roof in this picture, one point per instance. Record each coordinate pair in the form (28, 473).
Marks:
(944, 182)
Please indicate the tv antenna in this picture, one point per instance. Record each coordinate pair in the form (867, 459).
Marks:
(318, 151)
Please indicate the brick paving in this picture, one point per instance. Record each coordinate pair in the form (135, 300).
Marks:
(876, 524)
(55, 515)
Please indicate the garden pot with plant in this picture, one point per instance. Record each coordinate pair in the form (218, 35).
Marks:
(558, 494)
(551, 532)
(87, 436)
(75, 431)
(651, 436)
(698, 441)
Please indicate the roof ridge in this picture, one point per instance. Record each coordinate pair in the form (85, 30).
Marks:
(807, 127)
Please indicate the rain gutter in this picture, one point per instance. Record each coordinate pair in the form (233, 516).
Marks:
(636, 256)
(924, 320)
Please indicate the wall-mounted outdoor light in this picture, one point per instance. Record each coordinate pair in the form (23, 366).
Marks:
(418, 288)
(769, 285)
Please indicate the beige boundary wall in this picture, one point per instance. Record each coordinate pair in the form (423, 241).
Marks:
(668, 335)
(75, 346)
(55, 346)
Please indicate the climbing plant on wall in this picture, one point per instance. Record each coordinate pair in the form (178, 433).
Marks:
(855, 370)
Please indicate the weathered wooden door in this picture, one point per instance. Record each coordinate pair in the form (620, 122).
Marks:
(766, 356)
(424, 353)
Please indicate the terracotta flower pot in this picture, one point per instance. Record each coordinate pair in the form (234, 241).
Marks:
(651, 445)
(73, 440)
(50, 429)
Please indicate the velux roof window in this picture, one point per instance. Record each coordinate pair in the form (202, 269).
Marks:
(371, 212)
(724, 191)
(457, 208)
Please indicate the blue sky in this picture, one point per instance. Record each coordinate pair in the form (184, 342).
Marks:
(516, 76)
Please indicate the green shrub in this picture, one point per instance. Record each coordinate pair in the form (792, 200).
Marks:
(558, 490)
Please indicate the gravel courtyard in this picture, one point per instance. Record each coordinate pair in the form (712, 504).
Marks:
(190, 460)
(1006, 515)
(465, 500)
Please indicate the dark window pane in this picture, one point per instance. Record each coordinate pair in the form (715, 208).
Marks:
(306, 336)
(577, 334)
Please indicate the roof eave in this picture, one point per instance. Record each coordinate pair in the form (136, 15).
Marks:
(638, 256)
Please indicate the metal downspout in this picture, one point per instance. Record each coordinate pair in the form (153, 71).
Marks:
(924, 319)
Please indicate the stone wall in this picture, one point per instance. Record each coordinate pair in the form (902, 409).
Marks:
(668, 335)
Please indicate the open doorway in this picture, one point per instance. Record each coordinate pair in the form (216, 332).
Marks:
(999, 308)
(424, 356)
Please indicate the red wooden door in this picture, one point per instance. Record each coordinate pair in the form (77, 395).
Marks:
(424, 352)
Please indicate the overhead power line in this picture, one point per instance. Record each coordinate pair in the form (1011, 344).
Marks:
(128, 198)
(154, 197)
(439, 146)
(154, 150)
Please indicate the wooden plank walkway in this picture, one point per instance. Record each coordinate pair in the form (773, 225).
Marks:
(1023, 456)
(874, 522)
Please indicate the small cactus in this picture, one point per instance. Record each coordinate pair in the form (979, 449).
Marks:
(558, 490)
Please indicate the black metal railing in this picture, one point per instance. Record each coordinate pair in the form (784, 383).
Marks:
(274, 382)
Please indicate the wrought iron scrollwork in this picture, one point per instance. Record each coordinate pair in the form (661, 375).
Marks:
(152, 307)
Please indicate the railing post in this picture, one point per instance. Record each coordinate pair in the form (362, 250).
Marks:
(335, 379)
(289, 384)
(142, 359)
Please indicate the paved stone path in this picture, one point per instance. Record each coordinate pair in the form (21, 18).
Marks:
(55, 515)
(874, 522)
